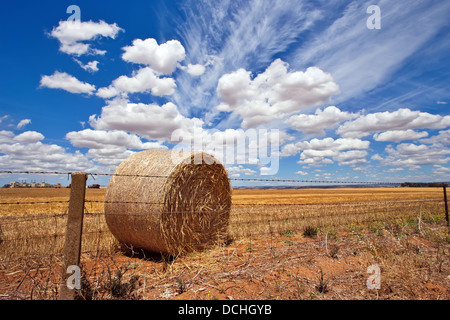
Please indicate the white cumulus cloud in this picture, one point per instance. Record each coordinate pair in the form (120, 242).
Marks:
(328, 118)
(64, 81)
(23, 123)
(195, 70)
(161, 58)
(91, 66)
(275, 93)
(143, 80)
(72, 36)
(443, 138)
(402, 119)
(29, 137)
(414, 155)
(399, 135)
(147, 120)
(100, 139)
(26, 152)
(346, 151)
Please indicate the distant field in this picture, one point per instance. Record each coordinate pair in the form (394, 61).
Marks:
(239, 197)
(306, 196)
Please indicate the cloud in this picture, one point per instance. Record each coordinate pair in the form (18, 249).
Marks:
(143, 80)
(346, 151)
(6, 136)
(399, 135)
(100, 139)
(3, 118)
(161, 58)
(64, 81)
(109, 156)
(71, 36)
(351, 157)
(147, 120)
(443, 138)
(328, 118)
(90, 66)
(326, 144)
(109, 148)
(231, 35)
(275, 93)
(233, 146)
(414, 155)
(23, 123)
(26, 152)
(355, 55)
(194, 70)
(440, 171)
(29, 137)
(244, 33)
(302, 173)
(402, 119)
(236, 171)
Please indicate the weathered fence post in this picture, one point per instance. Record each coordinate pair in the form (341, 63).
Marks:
(446, 204)
(72, 247)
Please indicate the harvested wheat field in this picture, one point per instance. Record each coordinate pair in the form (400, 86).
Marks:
(281, 244)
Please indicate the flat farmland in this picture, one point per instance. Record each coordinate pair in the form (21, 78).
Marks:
(282, 244)
(331, 195)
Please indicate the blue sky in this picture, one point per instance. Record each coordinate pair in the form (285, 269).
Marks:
(339, 101)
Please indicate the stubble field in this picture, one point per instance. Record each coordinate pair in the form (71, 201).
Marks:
(281, 244)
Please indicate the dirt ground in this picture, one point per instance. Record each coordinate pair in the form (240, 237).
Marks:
(296, 267)
(287, 267)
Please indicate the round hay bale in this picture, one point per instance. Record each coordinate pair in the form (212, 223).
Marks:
(168, 201)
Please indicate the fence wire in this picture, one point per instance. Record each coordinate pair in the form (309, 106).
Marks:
(92, 174)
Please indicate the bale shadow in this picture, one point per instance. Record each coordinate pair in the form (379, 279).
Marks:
(133, 252)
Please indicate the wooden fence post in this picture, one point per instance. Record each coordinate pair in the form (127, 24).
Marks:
(446, 204)
(72, 247)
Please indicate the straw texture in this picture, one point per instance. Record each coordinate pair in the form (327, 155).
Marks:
(185, 208)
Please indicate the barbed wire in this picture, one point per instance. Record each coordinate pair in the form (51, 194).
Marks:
(34, 202)
(231, 178)
(121, 202)
(34, 172)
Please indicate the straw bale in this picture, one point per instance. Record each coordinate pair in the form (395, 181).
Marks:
(168, 201)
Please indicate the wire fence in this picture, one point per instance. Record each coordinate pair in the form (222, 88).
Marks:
(34, 231)
(93, 174)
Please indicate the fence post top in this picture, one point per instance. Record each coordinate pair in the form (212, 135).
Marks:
(73, 174)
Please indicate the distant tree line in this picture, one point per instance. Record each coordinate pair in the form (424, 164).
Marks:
(422, 184)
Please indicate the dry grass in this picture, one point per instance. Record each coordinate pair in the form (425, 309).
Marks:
(268, 257)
